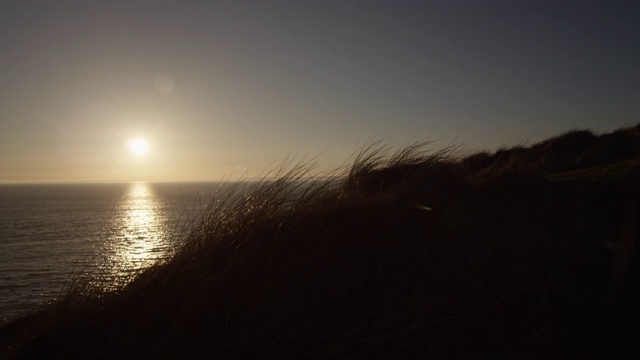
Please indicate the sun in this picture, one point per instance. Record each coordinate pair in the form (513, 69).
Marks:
(138, 146)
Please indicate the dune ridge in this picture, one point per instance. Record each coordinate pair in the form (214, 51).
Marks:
(526, 252)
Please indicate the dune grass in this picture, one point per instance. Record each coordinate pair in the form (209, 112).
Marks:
(405, 254)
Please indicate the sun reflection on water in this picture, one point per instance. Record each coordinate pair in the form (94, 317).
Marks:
(139, 237)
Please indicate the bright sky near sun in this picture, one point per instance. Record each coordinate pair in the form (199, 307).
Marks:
(138, 146)
(201, 90)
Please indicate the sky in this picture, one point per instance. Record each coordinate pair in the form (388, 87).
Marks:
(224, 89)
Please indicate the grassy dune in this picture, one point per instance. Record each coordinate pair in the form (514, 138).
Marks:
(526, 252)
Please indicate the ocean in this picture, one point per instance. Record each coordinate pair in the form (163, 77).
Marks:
(52, 233)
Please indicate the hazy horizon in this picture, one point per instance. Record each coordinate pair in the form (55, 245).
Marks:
(224, 89)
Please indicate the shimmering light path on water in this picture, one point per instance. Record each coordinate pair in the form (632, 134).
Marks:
(140, 236)
(50, 233)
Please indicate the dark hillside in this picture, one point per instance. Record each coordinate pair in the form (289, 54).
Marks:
(573, 150)
(526, 253)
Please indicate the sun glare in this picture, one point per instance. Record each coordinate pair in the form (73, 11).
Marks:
(138, 146)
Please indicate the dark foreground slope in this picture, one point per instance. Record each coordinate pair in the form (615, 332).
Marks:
(405, 256)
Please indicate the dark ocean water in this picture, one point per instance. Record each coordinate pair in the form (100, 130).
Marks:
(50, 233)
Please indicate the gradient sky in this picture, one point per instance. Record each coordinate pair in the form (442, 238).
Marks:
(218, 87)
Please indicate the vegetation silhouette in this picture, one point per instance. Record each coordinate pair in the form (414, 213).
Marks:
(525, 252)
